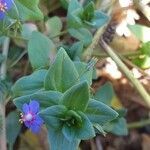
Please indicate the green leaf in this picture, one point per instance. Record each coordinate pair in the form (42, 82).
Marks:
(75, 10)
(86, 131)
(73, 120)
(29, 84)
(75, 51)
(73, 5)
(69, 133)
(39, 49)
(117, 127)
(141, 32)
(64, 3)
(122, 112)
(100, 113)
(82, 34)
(77, 97)
(99, 129)
(74, 19)
(99, 19)
(27, 29)
(54, 26)
(62, 73)
(13, 127)
(57, 141)
(28, 10)
(105, 94)
(143, 62)
(145, 48)
(73, 115)
(57, 116)
(88, 12)
(52, 116)
(45, 98)
(78, 16)
(84, 73)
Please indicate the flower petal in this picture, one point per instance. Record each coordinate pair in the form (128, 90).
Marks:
(38, 120)
(34, 106)
(127, 32)
(2, 15)
(25, 108)
(125, 3)
(27, 124)
(132, 16)
(9, 3)
(35, 128)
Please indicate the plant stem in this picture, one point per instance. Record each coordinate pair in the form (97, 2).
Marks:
(126, 54)
(5, 54)
(127, 72)
(89, 50)
(17, 60)
(60, 34)
(128, 62)
(10, 146)
(18, 37)
(3, 71)
(3, 128)
(139, 124)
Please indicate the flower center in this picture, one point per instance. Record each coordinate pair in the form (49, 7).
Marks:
(28, 117)
(3, 7)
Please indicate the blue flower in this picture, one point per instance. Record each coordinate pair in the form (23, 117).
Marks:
(30, 116)
(5, 5)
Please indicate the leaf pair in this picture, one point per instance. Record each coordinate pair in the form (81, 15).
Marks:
(64, 95)
(82, 17)
(79, 19)
(73, 118)
(28, 10)
(107, 95)
(64, 73)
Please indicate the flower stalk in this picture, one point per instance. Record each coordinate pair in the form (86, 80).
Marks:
(3, 128)
(139, 124)
(3, 70)
(5, 48)
(126, 71)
